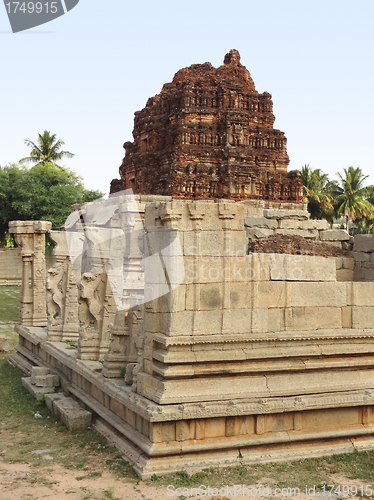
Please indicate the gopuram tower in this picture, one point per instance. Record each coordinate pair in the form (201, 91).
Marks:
(209, 134)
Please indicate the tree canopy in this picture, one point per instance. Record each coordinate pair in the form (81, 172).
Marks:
(47, 149)
(43, 192)
(331, 199)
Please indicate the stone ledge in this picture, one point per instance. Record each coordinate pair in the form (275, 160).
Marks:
(286, 214)
(35, 391)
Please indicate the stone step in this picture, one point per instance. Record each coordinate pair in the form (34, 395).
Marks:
(36, 391)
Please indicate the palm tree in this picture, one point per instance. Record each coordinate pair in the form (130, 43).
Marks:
(352, 201)
(318, 193)
(47, 150)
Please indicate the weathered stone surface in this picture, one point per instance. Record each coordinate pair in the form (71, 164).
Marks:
(71, 414)
(363, 243)
(47, 380)
(37, 371)
(36, 391)
(258, 232)
(298, 232)
(51, 398)
(334, 235)
(286, 214)
(345, 275)
(262, 222)
(302, 268)
(209, 134)
(4, 345)
(318, 294)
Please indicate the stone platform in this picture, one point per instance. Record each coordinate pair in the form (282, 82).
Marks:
(321, 409)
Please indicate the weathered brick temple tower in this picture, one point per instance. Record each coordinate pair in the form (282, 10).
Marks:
(209, 134)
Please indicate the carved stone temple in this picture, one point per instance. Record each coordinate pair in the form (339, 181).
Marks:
(191, 349)
(209, 134)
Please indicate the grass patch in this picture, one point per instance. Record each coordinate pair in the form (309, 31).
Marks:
(9, 303)
(21, 433)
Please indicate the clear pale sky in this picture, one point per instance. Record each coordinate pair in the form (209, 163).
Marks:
(83, 76)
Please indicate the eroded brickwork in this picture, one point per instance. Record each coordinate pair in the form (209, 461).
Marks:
(209, 134)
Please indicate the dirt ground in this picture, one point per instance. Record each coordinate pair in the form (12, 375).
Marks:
(54, 482)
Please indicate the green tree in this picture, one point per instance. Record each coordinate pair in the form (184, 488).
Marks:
(353, 202)
(47, 149)
(318, 193)
(43, 192)
(11, 178)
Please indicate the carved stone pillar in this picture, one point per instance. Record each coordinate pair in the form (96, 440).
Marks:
(96, 315)
(124, 335)
(30, 237)
(62, 293)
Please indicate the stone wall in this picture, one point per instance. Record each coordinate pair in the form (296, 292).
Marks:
(294, 223)
(10, 264)
(363, 252)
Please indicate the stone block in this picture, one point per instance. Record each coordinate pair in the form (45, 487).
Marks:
(316, 224)
(267, 294)
(298, 232)
(47, 380)
(290, 224)
(36, 391)
(240, 426)
(363, 243)
(254, 233)
(207, 322)
(211, 296)
(260, 222)
(313, 318)
(71, 414)
(38, 371)
(240, 295)
(175, 324)
(237, 320)
(363, 294)
(347, 245)
(203, 243)
(279, 422)
(348, 263)
(361, 256)
(334, 235)
(302, 268)
(4, 345)
(51, 398)
(318, 294)
(286, 214)
(326, 418)
(338, 262)
(362, 274)
(346, 317)
(255, 267)
(210, 428)
(267, 320)
(345, 275)
(173, 301)
(363, 317)
(185, 430)
(336, 244)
